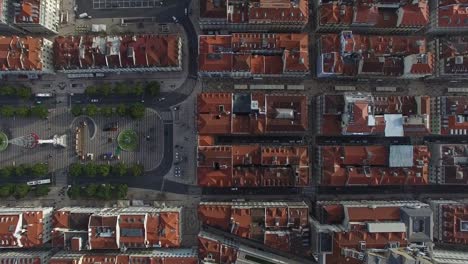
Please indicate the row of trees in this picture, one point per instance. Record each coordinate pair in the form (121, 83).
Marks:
(22, 92)
(39, 111)
(135, 111)
(21, 190)
(34, 170)
(150, 89)
(92, 170)
(102, 191)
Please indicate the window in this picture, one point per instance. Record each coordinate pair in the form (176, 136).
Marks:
(463, 226)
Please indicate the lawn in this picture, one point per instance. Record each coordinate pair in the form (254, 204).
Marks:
(128, 140)
(3, 141)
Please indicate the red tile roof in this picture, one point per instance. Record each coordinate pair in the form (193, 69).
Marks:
(452, 14)
(20, 53)
(29, 11)
(452, 216)
(257, 53)
(350, 54)
(84, 52)
(209, 248)
(273, 113)
(256, 11)
(266, 222)
(453, 115)
(453, 54)
(252, 166)
(369, 165)
(23, 228)
(450, 166)
(365, 114)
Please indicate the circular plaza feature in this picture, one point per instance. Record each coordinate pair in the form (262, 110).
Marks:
(128, 140)
(3, 141)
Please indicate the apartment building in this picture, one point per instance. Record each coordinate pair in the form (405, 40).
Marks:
(159, 256)
(366, 231)
(366, 114)
(103, 54)
(282, 226)
(253, 55)
(449, 164)
(6, 18)
(251, 114)
(449, 17)
(25, 227)
(452, 56)
(30, 256)
(400, 16)
(80, 228)
(215, 249)
(450, 115)
(347, 54)
(252, 166)
(451, 226)
(28, 56)
(373, 165)
(244, 15)
(37, 16)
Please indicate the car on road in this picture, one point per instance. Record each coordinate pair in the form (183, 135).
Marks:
(94, 100)
(161, 99)
(175, 19)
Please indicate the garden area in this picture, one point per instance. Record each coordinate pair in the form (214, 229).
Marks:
(101, 191)
(22, 190)
(150, 89)
(135, 111)
(93, 170)
(24, 172)
(128, 140)
(3, 141)
(38, 111)
(13, 91)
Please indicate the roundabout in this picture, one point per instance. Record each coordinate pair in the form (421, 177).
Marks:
(3, 141)
(128, 140)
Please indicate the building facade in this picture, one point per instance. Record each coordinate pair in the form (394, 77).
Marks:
(37, 16)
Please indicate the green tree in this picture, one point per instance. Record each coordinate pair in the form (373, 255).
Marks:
(7, 111)
(103, 170)
(75, 170)
(23, 92)
(104, 192)
(21, 170)
(119, 170)
(90, 170)
(136, 170)
(106, 111)
(21, 190)
(42, 190)
(6, 190)
(137, 111)
(92, 110)
(76, 110)
(39, 169)
(90, 190)
(7, 90)
(91, 90)
(138, 90)
(74, 192)
(105, 89)
(121, 110)
(39, 111)
(121, 191)
(121, 89)
(152, 88)
(6, 172)
(22, 111)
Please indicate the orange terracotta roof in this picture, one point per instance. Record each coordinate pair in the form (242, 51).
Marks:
(23, 227)
(452, 14)
(451, 218)
(353, 54)
(85, 52)
(28, 12)
(219, 252)
(368, 165)
(269, 223)
(252, 166)
(270, 54)
(255, 11)
(20, 53)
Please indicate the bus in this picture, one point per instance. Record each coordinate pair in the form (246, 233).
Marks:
(38, 182)
(44, 95)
